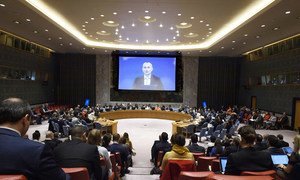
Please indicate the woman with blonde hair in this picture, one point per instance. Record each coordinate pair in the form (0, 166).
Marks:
(294, 161)
(94, 138)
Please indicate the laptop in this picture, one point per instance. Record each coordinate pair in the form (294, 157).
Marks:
(287, 150)
(280, 159)
(223, 162)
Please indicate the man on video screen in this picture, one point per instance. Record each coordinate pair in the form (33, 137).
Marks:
(148, 81)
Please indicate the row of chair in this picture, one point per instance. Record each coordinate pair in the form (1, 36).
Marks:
(208, 175)
(187, 170)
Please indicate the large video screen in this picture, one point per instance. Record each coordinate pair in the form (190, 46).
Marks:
(147, 73)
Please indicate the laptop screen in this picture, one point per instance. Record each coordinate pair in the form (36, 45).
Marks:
(287, 150)
(223, 162)
(280, 159)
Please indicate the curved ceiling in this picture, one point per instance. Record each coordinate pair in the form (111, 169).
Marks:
(125, 25)
(196, 27)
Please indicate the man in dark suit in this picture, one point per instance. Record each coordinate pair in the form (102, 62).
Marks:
(259, 144)
(19, 155)
(248, 159)
(77, 153)
(163, 145)
(148, 81)
(194, 147)
(124, 152)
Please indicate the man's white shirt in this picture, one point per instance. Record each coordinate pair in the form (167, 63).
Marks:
(147, 79)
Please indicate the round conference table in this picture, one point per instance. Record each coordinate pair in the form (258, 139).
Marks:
(180, 119)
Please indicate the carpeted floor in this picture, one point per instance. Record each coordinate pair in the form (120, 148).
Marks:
(142, 133)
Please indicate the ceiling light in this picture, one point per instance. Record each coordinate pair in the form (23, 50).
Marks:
(17, 22)
(177, 35)
(120, 36)
(276, 28)
(179, 14)
(207, 35)
(200, 51)
(83, 29)
(102, 15)
(233, 41)
(127, 39)
(147, 41)
(86, 33)
(222, 47)
(103, 31)
(105, 50)
(116, 33)
(174, 37)
(209, 51)
(86, 22)
(110, 22)
(28, 20)
(209, 32)
(201, 21)
(147, 24)
(167, 39)
(183, 23)
(171, 28)
(91, 35)
(49, 39)
(161, 25)
(136, 40)
(96, 38)
(59, 37)
(257, 37)
(232, 48)
(132, 24)
(83, 48)
(146, 11)
(203, 38)
(287, 12)
(122, 27)
(147, 17)
(93, 48)
(117, 30)
(207, 25)
(191, 33)
(115, 13)
(157, 40)
(92, 18)
(263, 26)
(2, 5)
(192, 17)
(61, 44)
(46, 30)
(129, 12)
(244, 43)
(177, 31)
(83, 25)
(245, 35)
(164, 12)
(35, 32)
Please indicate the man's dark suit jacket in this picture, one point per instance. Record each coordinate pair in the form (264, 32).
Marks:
(30, 158)
(195, 148)
(260, 146)
(248, 159)
(155, 83)
(76, 153)
(115, 147)
(164, 146)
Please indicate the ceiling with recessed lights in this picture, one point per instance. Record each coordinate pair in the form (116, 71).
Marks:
(195, 27)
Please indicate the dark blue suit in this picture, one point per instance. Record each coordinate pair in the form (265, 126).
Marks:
(23, 156)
